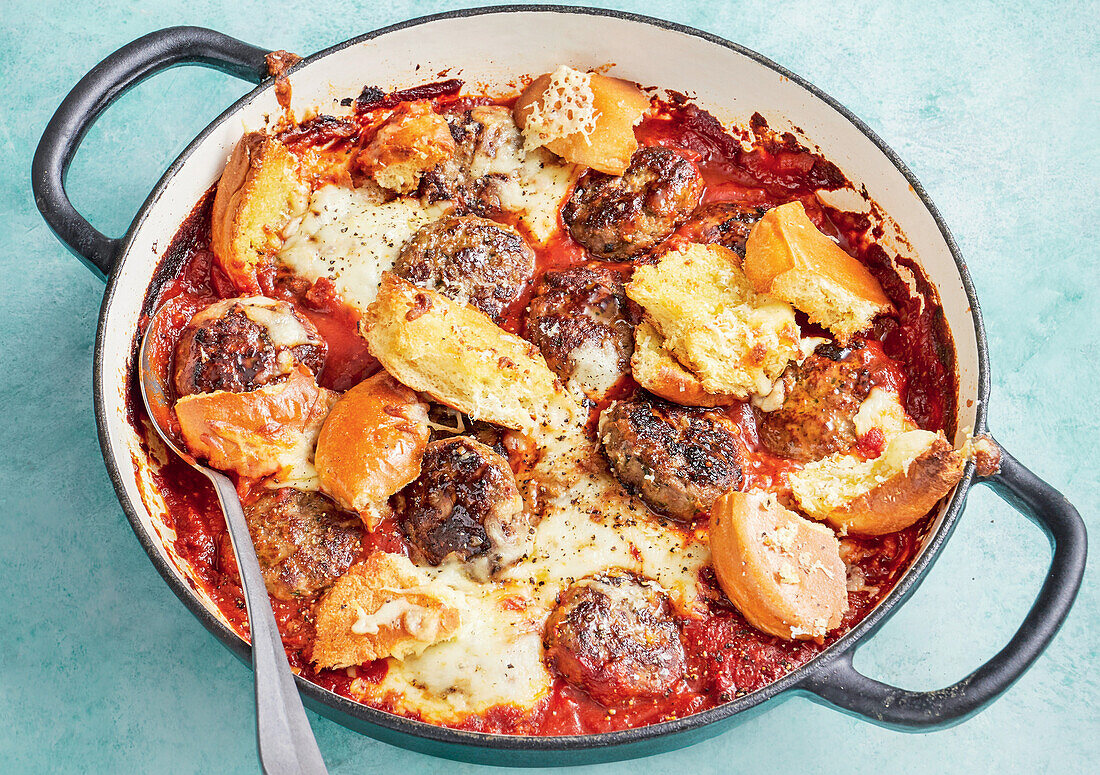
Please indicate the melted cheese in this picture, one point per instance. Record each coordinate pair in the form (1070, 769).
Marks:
(827, 484)
(595, 367)
(536, 191)
(285, 329)
(882, 409)
(395, 613)
(566, 108)
(494, 658)
(349, 237)
(589, 524)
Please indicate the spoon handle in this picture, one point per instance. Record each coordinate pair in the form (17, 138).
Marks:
(283, 734)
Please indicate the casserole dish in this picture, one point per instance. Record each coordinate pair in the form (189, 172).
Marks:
(531, 40)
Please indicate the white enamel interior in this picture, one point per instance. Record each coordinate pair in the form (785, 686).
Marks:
(490, 51)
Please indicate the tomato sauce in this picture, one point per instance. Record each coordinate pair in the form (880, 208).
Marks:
(911, 353)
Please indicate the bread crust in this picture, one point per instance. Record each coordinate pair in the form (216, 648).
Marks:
(905, 497)
(371, 444)
(655, 369)
(782, 572)
(787, 256)
(258, 190)
(414, 140)
(381, 607)
(618, 105)
(264, 432)
(459, 357)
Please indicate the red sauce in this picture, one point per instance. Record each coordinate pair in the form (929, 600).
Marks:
(726, 657)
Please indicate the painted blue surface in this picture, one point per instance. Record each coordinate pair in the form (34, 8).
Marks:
(992, 104)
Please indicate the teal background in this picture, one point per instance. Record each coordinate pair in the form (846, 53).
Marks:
(992, 104)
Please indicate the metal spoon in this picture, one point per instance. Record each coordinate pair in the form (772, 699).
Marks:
(283, 734)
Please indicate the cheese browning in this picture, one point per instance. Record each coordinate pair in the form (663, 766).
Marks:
(565, 524)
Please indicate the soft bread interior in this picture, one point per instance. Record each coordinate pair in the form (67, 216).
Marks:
(257, 194)
(461, 358)
(884, 494)
(787, 256)
(654, 368)
(410, 143)
(735, 340)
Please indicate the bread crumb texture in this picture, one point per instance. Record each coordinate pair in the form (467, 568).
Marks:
(787, 256)
(461, 358)
(734, 340)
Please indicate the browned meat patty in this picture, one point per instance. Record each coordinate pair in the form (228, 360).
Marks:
(470, 259)
(581, 321)
(303, 541)
(487, 143)
(678, 459)
(818, 415)
(613, 635)
(619, 218)
(521, 451)
(723, 223)
(237, 345)
(465, 502)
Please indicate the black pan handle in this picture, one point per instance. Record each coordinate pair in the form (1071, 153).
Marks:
(839, 684)
(105, 83)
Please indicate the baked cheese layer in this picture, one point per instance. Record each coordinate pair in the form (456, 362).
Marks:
(589, 524)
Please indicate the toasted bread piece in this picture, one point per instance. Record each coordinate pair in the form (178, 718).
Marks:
(782, 572)
(733, 339)
(461, 358)
(788, 257)
(267, 431)
(410, 143)
(882, 495)
(654, 368)
(371, 445)
(382, 607)
(585, 118)
(257, 194)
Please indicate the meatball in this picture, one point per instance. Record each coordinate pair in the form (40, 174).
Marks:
(817, 417)
(488, 147)
(613, 635)
(520, 450)
(238, 345)
(466, 503)
(619, 218)
(303, 541)
(677, 459)
(581, 321)
(724, 223)
(470, 259)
